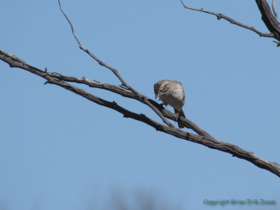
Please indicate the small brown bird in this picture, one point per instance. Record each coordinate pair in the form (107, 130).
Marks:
(172, 93)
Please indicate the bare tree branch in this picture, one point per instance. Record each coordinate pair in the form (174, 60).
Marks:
(221, 16)
(270, 21)
(137, 94)
(278, 43)
(274, 10)
(14, 61)
(203, 139)
(123, 92)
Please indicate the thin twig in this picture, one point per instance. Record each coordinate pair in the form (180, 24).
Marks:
(72, 28)
(139, 96)
(221, 16)
(274, 10)
(57, 79)
(126, 93)
(278, 43)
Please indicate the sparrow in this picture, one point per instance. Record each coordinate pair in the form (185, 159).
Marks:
(172, 93)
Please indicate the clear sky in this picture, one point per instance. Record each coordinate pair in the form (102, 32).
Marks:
(60, 151)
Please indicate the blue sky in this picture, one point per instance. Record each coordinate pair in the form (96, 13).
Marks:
(60, 151)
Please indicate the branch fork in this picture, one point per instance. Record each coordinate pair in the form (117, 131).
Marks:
(125, 90)
(270, 20)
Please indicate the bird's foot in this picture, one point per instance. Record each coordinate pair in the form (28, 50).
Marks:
(176, 116)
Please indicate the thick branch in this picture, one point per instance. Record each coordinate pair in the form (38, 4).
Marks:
(270, 21)
(14, 61)
(204, 138)
(57, 79)
(126, 93)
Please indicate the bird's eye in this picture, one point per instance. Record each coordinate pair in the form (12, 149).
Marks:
(160, 90)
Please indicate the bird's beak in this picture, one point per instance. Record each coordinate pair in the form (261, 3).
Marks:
(156, 96)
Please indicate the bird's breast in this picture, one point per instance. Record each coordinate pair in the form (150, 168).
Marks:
(175, 99)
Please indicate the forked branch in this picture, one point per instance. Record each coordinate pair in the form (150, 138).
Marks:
(124, 83)
(202, 138)
(268, 18)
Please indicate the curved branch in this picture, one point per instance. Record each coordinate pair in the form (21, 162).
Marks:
(206, 140)
(203, 138)
(14, 61)
(274, 10)
(221, 16)
(125, 93)
(124, 83)
(269, 20)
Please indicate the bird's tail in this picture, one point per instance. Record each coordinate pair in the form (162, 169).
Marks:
(181, 113)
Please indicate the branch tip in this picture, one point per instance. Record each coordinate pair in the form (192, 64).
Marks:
(278, 43)
(221, 16)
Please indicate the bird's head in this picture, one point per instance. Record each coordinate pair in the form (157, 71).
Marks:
(161, 87)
